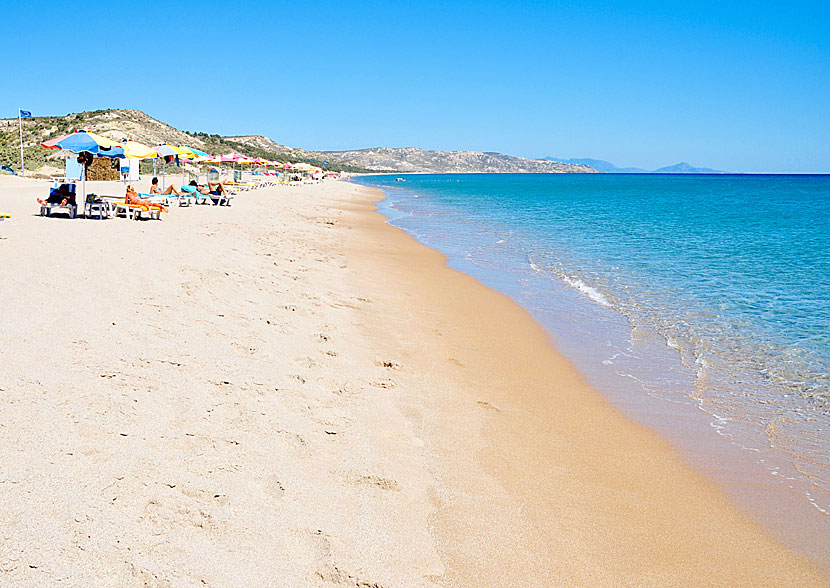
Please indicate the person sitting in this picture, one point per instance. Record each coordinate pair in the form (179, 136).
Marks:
(62, 196)
(154, 188)
(132, 198)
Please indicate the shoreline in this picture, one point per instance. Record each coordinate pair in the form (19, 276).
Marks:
(758, 480)
(303, 379)
(532, 349)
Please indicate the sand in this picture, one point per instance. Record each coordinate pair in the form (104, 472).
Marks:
(289, 392)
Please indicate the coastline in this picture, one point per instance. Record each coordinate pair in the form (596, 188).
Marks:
(569, 462)
(654, 388)
(303, 379)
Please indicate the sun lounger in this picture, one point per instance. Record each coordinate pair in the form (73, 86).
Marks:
(134, 211)
(58, 193)
(61, 191)
(240, 185)
(222, 199)
(4, 216)
(163, 199)
(185, 199)
(46, 209)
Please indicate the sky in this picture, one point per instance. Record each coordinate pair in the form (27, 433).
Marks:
(737, 86)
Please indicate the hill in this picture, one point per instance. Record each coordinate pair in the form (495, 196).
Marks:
(685, 168)
(137, 125)
(609, 168)
(600, 165)
(134, 124)
(412, 159)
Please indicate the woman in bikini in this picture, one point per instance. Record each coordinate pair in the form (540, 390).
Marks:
(132, 198)
(171, 189)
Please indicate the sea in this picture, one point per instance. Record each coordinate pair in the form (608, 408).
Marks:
(698, 304)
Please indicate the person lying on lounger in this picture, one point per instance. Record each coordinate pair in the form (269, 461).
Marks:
(209, 189)
(61, 196)
(132, 198)
(154, 188)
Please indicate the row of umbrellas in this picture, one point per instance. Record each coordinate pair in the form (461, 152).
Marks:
(103, 147)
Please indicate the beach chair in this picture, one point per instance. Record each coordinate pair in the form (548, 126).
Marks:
(72, 209)
(222, 199)
(135, 211)
(191, 195)
(163, 199)
(4, 216)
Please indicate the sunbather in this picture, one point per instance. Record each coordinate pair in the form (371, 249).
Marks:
(61, 196)
(132, 198)
(217, 188)
(154, 188)
(209, 189)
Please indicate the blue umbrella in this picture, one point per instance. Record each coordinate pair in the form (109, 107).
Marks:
(81, 141)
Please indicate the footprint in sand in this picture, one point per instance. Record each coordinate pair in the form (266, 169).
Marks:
(306, 362)
(298, 377)
(313, 541)
(385, 383)
(487, 405)
(389, 364)
(295, 439)
(374, 482)
(331, 574)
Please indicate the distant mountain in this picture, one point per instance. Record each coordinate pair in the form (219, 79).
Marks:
(685, 168)
(599, 165)
(609, 168)
(412, 159)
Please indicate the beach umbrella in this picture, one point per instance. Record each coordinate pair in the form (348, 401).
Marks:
(137, 150)
(197, 156)
(193, 153)
(183, 152)
(164, 150)
(232, 157)
(167, 150)
(83, 141)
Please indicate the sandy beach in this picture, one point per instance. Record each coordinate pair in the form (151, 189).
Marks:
(290, 392)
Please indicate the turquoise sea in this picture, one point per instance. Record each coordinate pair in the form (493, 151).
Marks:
(711, 291)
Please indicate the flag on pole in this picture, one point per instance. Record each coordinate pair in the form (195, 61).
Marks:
(25, 114)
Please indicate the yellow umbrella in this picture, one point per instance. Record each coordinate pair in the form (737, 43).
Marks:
(182, 151)
(138, 150)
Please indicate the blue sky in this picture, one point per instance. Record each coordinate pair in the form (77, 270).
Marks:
(741, 86)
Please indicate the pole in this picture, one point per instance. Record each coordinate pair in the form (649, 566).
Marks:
(22, 164)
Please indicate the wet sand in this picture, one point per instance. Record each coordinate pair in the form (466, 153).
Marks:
(290, 392)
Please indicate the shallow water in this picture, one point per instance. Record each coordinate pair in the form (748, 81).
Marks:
(686, 297)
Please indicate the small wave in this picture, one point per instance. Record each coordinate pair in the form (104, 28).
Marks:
(590, 292)
(575, 283)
